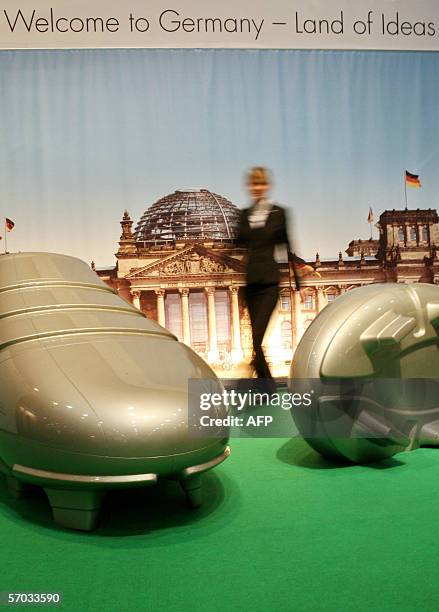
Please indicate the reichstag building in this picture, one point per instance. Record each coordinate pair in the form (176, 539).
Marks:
(179, 265)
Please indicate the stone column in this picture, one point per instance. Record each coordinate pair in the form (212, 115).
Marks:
(161, 318)
(213, 355)
(185, 316)
(237, 353)
(135, 296)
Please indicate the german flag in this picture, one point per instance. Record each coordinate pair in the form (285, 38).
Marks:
(412, 179)
(303, 269)
(9, 225)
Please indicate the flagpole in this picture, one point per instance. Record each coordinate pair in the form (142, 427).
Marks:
(405, 189)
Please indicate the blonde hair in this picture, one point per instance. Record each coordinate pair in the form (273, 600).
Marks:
(258, 174)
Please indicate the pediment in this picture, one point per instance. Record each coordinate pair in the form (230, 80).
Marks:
(193, 260)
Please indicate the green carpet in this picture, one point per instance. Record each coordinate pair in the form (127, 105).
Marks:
(280, 529)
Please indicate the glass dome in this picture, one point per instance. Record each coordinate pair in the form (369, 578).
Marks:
(188, 215)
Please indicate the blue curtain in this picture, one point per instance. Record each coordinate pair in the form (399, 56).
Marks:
(88, 133)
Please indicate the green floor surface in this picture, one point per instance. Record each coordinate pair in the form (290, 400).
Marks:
(280, 529)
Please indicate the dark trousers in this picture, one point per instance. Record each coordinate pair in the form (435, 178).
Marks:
(261, 300)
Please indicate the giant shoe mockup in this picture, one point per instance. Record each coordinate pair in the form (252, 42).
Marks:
(94, 395)
(373, 357)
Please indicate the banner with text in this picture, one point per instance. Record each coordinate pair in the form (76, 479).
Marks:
(281, 24)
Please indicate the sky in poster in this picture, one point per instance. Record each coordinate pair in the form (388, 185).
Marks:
(88, 133)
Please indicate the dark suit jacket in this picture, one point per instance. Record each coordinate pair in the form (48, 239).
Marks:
(262, 268)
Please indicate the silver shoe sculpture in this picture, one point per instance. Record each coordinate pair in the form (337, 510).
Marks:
(372, 357)
(94, 396)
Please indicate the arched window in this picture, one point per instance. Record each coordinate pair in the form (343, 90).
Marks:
(173, 314)
(222, 319)
(309, 302)
(424, 233)
(401, 234)
(198, 321)
(286, 334)
(285, 301)
(413, 234)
